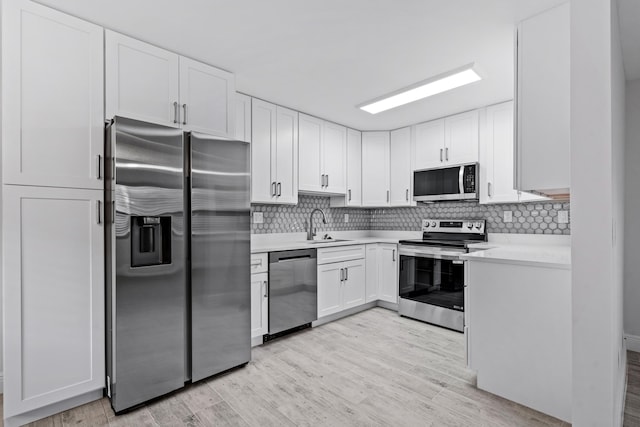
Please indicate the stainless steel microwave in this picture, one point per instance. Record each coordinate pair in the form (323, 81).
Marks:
(458, 182)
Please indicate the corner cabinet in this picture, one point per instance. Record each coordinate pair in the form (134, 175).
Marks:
(322, 156)
(353, 196)
(274, 154)
(449, 141)
(401, 171)
(543, 103)
(375, 169)
(52, 211)
(151, 84)
(54, 299)
(52, 98)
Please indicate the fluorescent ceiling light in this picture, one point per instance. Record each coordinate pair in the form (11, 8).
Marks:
(438, 84)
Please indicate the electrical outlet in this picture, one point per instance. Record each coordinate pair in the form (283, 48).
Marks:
(258, 218)
(346, 217)
(507, 216)
(563, 217)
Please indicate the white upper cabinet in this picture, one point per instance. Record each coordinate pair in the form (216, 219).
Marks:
(207, 98)
(243, 117)
(542, 103)
(375, 169)
(147, 83)
(449, 141)
(461, 138)
(496, 155)
(142, 81)
(53, 295)
(323, 153)
(353, 196)
(52, 100)
(311, 177)
(400, 171)
(274, 154)
(429, 145)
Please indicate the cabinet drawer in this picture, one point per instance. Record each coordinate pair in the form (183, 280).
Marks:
(340, 253)
(259, 263)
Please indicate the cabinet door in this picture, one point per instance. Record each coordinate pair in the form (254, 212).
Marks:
(310, 153)
(543, 101)
(375, 169)
(429, 149)
(354, 168)
(334, 158)
(263, 143)
(54, 295)
(354, 285)
(496, 155)
(259, 304)
(287, 156)
(329, 288)
(461, 138)
(207, 96)
(372, 278)
(53, 123)
(388, 272)
(141, 81)
(400, 171)
(243, 117)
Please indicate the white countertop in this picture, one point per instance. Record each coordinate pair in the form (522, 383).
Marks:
(541, 255)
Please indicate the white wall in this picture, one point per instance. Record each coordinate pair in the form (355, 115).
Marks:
(632, 218)
(597, 144)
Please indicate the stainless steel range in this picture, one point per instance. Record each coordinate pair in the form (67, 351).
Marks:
(432, 275)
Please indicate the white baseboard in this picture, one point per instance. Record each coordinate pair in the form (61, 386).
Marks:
(633, 342)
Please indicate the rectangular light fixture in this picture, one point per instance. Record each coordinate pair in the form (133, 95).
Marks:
(438, 84)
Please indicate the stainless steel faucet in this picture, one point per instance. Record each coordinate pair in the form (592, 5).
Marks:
(311, 231)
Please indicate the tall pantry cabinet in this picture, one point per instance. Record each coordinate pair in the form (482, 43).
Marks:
(52, 210)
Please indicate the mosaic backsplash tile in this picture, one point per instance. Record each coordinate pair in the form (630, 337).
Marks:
(293, 219)
(528, 218)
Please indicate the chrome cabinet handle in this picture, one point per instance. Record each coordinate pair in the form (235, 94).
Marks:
(407, 194)
(393, 255)
(489, 189)
(98, 216)
(256, 263)
(264, 284)
(322, 181)
(387, 195)
(184, 119)
(99, 166)
(446, 153)
(327, 181)
(341, 274)
(279, 189)
(441, 154)
(273, 189)
(175, 113)
(349, 194)
(346, 274)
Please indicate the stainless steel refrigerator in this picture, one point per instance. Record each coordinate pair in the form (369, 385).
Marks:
(178, 243)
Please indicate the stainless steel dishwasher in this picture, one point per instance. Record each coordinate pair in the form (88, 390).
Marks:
(293, 291)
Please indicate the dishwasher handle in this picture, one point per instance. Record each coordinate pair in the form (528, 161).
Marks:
(295, 255)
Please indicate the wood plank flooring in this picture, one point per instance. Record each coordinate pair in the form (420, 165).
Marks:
(372, 368)
(632, 401)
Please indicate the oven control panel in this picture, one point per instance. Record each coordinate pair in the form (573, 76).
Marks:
(476, 226)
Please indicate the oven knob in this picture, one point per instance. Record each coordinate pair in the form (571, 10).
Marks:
(433, 223)
(478, 225)
(426, 224)
(470, 225)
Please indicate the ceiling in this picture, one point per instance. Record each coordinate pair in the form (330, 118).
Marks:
(325, 57)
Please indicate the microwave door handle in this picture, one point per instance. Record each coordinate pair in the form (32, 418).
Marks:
(461, 180)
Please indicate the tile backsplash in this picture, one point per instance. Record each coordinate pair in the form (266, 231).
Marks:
(528, 218)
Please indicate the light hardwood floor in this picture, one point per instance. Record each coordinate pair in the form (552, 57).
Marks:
(632, 401)
(372, 368)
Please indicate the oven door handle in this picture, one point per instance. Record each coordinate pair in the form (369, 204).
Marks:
(453, 256)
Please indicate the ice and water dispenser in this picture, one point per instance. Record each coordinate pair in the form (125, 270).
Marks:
(150, 240)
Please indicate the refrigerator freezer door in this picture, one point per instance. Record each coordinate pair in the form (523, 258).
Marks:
(220, 246)
(146, 283)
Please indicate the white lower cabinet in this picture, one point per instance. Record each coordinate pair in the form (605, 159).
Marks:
(259, 304)
(372, 273)
(341, 285)
(388, 272)
(53, 275)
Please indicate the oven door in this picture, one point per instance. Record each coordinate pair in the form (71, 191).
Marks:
(432, 276)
